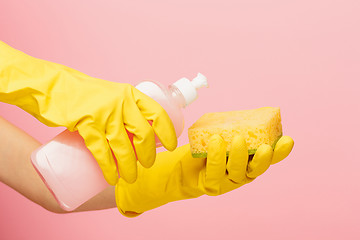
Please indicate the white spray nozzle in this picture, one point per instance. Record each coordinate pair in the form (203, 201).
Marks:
(199, 81)
(189, 88)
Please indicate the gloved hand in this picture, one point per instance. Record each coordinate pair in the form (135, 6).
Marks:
(102, 111)
(177, 175)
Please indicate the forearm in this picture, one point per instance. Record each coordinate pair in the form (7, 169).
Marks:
(34, 85)
(17, 172)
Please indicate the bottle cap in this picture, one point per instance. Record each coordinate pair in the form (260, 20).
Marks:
(189, 88)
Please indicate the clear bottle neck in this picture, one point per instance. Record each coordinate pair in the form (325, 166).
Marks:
(177, 96)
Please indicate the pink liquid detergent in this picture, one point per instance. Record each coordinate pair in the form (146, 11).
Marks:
(68, 168)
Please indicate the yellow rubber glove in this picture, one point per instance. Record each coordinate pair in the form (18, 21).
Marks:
(177, 175)
(102, 111)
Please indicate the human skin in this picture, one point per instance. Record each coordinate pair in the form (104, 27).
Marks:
(18, 173)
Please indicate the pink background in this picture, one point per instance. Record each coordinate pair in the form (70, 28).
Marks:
(303, 56)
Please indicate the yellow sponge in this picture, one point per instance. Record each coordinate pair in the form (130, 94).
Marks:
(257, 126)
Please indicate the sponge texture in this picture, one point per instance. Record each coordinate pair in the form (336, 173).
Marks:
(257, 126)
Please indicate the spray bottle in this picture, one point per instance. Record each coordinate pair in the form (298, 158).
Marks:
(68, 168)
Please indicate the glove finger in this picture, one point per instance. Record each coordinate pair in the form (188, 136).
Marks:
(123, 150)
(161, 122)
(215, 164)
(238, 159)
(261, 161)
(96, 142)
(144, 137)
(282, 149)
